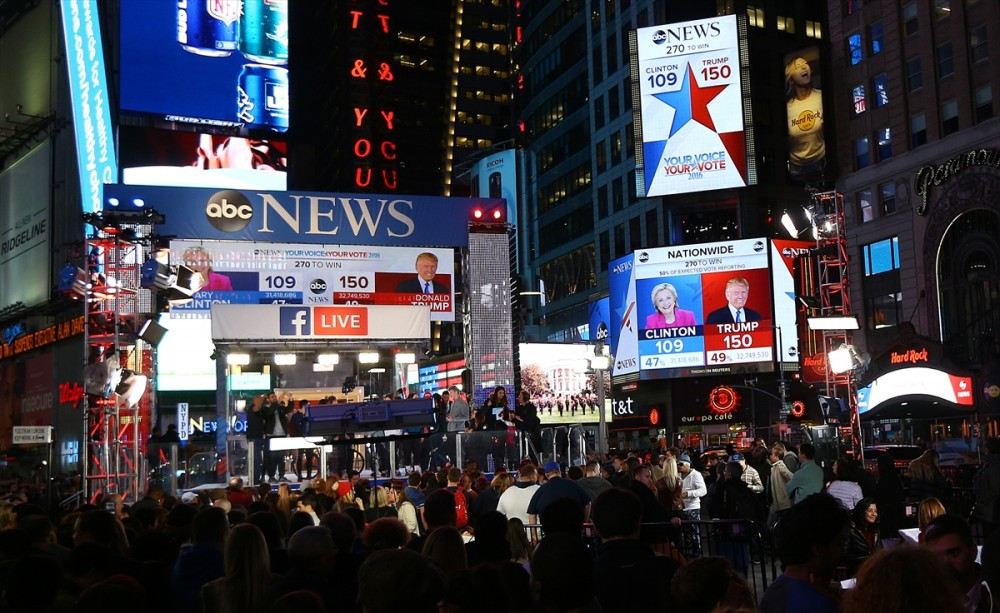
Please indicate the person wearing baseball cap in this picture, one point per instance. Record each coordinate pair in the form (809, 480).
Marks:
(554, 489)
(692, 491)
(750, 475)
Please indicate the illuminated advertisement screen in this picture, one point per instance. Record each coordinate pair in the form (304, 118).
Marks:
(704, 309)
(558, 377)
(217, 63)
(691, 107)
(256, 273)
(599, 320)
(191, 159)
(25, 229)
(804, 112)
(787, 323)
(436, 378)
(495, 176)
(915, 381)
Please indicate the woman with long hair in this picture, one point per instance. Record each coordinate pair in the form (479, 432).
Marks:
(520, 546)
(405, 509)
(670, 487)
(380, 506)
(927, 510)
(248, 574)
(864, 538)
(284, 504)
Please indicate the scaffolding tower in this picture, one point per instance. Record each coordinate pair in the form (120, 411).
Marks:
(834, 297)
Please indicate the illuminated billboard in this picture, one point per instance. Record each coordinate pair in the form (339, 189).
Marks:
(256, 273)
(495, 176)
(221, 63)
(559, 379)
(704, 309)
(804, 111)
(25, 229)
(191, 159)
(789, 327)
(691, 108)
(621, 307)
(915, 381)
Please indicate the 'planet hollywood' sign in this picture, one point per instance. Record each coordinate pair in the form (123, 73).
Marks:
(928, 176)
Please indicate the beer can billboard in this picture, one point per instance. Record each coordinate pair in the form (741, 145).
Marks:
(221, 63)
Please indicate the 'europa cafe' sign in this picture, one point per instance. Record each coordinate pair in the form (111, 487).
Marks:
(928, 176)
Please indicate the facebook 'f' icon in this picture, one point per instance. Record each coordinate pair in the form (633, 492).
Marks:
(295, 321)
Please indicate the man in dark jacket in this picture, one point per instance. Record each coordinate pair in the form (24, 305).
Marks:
(275, 417)
(632, 577)
(735, 500)
(255, 436)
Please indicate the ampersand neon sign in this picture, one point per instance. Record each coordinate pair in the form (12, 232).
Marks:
(359, 71)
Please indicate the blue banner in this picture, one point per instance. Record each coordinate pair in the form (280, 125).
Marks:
(302, 217)
(624, 324)
(95, 144)
(600, 320)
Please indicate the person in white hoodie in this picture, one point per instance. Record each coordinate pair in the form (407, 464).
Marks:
(693, 489)
(845, 488)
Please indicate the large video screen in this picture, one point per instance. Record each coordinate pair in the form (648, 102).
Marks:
(704, 309)
(691, 107)
(217, 63)
(558, 377)
(191, 159)
(279, 273)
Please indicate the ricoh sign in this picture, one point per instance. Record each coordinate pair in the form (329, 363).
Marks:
(264, 216)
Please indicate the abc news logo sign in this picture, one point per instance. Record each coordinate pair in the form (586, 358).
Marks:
(229, 211)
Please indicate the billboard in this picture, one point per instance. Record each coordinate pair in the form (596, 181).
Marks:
(254, 273)
(915, 381)
(788, 325)
(691, 111)
(25, 229)
(192, 159)
(436, 378)
(599, 320)
(88, 90)
(704, 309)
(558, 377)
(214, 63)
(804, 111)
(624, 340)
(495, 176)
(303, 217)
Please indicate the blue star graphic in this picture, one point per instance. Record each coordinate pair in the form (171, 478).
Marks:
(680, 100)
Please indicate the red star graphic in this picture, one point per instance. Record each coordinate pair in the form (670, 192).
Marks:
(700, 97)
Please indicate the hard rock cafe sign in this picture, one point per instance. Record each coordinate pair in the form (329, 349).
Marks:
(929, 176)
(816, 364)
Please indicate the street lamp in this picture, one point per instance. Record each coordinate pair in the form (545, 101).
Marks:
(601, 363)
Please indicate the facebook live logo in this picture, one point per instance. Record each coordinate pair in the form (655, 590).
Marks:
(323, 321)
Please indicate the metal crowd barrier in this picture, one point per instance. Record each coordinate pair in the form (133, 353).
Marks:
(739, 541)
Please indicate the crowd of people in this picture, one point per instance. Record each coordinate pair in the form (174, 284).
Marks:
(668, 531)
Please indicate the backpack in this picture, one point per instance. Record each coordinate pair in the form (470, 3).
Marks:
(461, 508)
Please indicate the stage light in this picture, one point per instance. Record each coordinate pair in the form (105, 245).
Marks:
(131, 388)
(368, 357)
(328, 359)
(477, 214)
(317, 367)
(600, 362)
(497, 215)
(152, 332)
(284, 359)
(238, 359)
(405, 357)
(847, 358)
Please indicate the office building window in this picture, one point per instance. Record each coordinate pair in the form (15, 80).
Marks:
(617, 197)
(652, 228)
(855, 49)
(887, 197)
(979, 49)
(604, 252)
(942, 9)
(875, 32)
(945, 60)
(602, 201)
(755, 16)
(861, 159)
(598, 65)
(866, 212)
(634, 234)
(612, 52)
(614, 106)
(914, 74)
(918, 130)
(620, 246)
(949, 117)
(884, 144)
(852, 6)
(881, 256)
(983, 100)
(910, 23)
(786, 24)
(858, 98)
(814, 29)
(880, 87)
(602, 157)
(616, 147)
